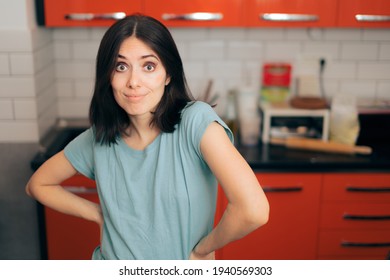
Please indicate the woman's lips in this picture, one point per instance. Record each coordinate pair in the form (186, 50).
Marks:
(134, 97)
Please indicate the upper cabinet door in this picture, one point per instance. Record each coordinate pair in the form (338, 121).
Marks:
(290, 13)
(364, 13)
(196, 13)
(88, 12)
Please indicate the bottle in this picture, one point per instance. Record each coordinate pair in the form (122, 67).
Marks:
(231, 114)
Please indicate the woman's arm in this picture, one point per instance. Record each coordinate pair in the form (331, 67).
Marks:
(45, 187)
(247, 207)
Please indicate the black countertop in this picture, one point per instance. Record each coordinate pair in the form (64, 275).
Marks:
(266, 157)
(274, 158)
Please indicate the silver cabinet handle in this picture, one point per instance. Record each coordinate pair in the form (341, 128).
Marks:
(193, 16)
(288, 17)
(371, 18)
(90, 16)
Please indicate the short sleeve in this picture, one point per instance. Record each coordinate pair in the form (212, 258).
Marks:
(196, 117)
(80, 153)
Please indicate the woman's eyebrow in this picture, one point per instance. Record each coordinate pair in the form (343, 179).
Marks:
(142, 57)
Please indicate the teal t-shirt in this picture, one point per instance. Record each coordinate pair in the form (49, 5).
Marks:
(158, 202)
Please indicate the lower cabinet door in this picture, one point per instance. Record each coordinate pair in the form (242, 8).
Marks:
(291, 232)
(69, 237)
(354, 244)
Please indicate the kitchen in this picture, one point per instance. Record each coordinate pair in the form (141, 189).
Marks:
(46, 75)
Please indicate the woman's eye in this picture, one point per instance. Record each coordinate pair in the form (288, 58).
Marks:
(149, 67)
(120, 67)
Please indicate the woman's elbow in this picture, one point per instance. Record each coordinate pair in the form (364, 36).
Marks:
(258, 214)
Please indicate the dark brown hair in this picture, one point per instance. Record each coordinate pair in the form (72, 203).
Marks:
(107, 118)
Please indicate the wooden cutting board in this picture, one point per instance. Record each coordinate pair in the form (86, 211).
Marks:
(320, 145)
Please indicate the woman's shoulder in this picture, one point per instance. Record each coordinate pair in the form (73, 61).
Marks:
(196, 107)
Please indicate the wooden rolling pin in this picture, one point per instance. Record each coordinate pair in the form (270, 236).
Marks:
(320, 145)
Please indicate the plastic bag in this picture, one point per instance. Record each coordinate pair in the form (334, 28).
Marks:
(344, 120)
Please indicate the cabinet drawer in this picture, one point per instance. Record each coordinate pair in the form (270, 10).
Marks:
(87, 12)
(292, 229)
(355, 244)
(357, 187)
(363, 13)
(290, 13)
(196, 13)
(354, 215)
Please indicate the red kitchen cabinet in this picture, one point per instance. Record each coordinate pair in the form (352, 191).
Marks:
(196, 13)
(355, 216)
(292, 229)
(290, 13)
(87, 12)
(68, 237)
(363, 13)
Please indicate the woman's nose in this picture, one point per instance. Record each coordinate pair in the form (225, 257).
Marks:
(133, 80)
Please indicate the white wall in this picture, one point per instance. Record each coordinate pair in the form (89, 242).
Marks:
(28, 102)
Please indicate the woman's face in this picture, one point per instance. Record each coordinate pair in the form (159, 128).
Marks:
(139, 78)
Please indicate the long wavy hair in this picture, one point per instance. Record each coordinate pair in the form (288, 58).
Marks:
(107, 118)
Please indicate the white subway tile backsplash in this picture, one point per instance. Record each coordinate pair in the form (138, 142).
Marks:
(282, 51)
(74, 70)
(372, 70)
(340, 70)
(62, 50)
(19, 131)
(194, 69)
(15, 41)
(72, 33)
(359, 89)
(73, 108)
(84, 88)
(59, 78)
(384, 51)
(41, 37)
(214, 49)
(47, 100)
(359, 51)
(6, 109)
(383, 90)
(328, 50)
(98, 32)
(22, 63)
(193, 35)
(44, 78)
(245, 50)
(217, 69)
(227, 34)
(17, 86)
(305, 34)
(64, 88)
(85, 50)
(343, 34)
(266, 34)
(43, 57)
(4, 64)
(25, 109)
(376, 34)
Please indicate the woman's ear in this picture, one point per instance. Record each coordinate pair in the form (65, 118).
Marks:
(167, 81)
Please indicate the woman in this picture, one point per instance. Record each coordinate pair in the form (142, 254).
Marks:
(156, 156)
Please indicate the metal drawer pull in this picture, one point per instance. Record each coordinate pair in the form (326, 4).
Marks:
(193, 16)
(90, 16)
(363, 244)
(371, 18)
(366, 218)
(282, 189)
(288, 17)
(360, 189)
